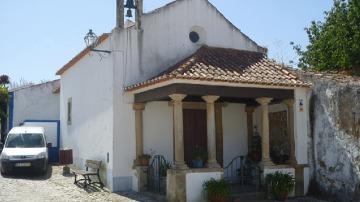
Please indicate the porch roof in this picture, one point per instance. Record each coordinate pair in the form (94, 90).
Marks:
(228, 66)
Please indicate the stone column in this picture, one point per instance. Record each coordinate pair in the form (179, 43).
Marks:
(178, 131)
(211, 131)
(140, 171)
(266, 161)
(290, 120)
(250, 126)
(138, 108)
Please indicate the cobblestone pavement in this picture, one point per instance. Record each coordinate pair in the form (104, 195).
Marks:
(56, 187)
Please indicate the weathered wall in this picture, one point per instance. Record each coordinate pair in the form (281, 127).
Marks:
(333, 142)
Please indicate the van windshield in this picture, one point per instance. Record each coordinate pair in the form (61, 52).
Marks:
(26, 140)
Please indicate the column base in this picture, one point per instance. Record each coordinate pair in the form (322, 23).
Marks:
(293, 162)
(176, 185)
(213, 165)
(141, 174)
(180, 166)
(266, 163)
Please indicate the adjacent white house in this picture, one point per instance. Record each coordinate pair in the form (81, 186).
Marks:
(182, 77)
(34, 102)
(37, 105)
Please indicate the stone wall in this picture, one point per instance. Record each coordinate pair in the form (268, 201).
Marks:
(334, 138)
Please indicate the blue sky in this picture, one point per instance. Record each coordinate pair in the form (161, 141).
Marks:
(37, 37)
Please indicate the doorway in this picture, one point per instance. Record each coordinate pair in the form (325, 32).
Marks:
(195, 132)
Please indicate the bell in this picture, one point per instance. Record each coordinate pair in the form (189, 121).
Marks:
(130, 4)
(129, 13)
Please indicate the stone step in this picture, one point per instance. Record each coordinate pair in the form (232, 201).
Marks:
(248, 197)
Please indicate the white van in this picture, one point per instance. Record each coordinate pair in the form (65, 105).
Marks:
(25, 147)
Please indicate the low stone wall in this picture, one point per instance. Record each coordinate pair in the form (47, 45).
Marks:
(334, 138)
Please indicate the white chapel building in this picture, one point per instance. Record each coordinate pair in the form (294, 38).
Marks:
(181, 77)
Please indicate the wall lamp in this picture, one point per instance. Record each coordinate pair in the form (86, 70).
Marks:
(91, 41)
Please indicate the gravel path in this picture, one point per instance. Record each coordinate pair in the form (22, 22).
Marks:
(55, 187)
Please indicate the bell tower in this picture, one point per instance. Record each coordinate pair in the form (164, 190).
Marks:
(136, 5)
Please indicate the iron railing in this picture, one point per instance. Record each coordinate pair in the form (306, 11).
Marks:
(157, 174)
(242, 171)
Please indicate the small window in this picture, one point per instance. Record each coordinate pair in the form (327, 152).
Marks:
(197, 35)
(194, 37)
(69, 111)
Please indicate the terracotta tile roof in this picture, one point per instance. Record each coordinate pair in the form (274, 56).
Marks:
(78, 57)
(227, 65)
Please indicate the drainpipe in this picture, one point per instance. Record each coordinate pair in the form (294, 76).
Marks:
(139, 12)
(120, 14)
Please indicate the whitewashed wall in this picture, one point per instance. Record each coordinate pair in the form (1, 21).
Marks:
(301, 132)
(234, 131)
(158, 129)
(36, 102)
(90, 86)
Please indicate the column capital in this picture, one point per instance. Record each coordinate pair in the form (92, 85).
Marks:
(289, 102)
(250, 109)
(264, 100)
(139, 106)
(210, 98)
(177, 97)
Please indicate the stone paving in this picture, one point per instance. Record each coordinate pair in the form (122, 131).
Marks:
(55, 187)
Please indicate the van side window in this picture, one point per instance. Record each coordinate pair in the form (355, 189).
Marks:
(69, 111)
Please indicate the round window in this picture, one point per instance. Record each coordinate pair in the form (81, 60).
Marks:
(194, 37)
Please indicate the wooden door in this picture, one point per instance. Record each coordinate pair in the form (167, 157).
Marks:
(195, 132)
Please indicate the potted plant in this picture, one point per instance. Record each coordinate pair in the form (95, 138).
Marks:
(199, 156)
(279, 185)
(144, 160)
(216, 190)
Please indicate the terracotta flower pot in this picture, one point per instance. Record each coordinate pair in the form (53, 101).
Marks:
(255, 156)
(144, 162)
(282, 196)
(218, 199)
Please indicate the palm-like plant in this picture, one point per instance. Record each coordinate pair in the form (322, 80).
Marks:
(217, 190)
(280, 184)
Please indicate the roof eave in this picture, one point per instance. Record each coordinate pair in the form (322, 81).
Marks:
(168, 81)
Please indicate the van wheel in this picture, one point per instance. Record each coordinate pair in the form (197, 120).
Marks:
(2, 172)
(45, 169)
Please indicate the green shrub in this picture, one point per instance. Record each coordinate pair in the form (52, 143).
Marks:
(280, 184)
(216, 190)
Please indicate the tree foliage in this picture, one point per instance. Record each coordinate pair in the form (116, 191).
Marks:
(335, 43)
(4, 80)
